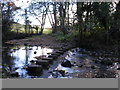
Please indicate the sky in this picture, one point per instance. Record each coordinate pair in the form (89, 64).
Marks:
(24, 4)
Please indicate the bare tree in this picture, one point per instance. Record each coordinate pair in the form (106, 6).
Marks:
(39, 10)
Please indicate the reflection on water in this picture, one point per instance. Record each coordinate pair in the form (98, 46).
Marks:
(82, 64)
(18, 57)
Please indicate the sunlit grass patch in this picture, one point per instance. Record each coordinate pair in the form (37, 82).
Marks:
(47, 31)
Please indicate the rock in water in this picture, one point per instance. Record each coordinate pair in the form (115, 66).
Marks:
(62, 72)
(34, 70)
(118, 68)
(42, 62)
(106, 62)
(14, 74)
(25, 44)
(66, 63)
(35, 52)
(93, 67)
(32, 61)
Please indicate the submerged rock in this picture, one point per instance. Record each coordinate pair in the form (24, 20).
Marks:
(57, 73)
(66, 63)
(30, 49)
(93, 67)
(33, 61)
(118, 68)
(14, 74)
(25, 44)
(106, 62)
(35, 52)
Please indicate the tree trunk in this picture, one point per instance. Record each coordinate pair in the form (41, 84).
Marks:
(62, 18)
(25, 21)
(80, 20)
(43, 19)
(55, 18)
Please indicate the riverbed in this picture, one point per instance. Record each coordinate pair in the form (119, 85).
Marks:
(83, 63)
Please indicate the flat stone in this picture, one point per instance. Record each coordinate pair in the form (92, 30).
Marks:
(57, 54)
(33, 61)
(44, 63)
(49, 53)
(14, 74)
(53, 56)
(61, 52)
(30, 49)
(40, 57)
(35, 67)
(34, 70)
(64, 50)
(118, 68)
(48, 59)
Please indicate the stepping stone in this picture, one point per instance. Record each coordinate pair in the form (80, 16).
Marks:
(24, 49)
(33, 61)
(118, 68)
(64, 50)
(57, 54)
(14, 74)
(34, 70)
(48, 59)
(40, 57)
(53, 56)
(44, 63)
(61, 52)
(49, 53)
(32, 67)
(30, 49)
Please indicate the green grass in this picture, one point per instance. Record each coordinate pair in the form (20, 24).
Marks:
(21, 29)
(68, 37)
(47, 31)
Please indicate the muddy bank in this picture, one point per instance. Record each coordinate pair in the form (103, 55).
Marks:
(44, 40)
(67, 61)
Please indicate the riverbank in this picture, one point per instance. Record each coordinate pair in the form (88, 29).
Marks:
(43, 40)
(93, 64)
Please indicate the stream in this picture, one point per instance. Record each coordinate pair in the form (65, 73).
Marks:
(82, 63)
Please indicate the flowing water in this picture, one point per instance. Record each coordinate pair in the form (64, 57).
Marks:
(16, 58)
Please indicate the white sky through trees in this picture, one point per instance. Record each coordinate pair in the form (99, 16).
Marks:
(24, 4)
(19, 14)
